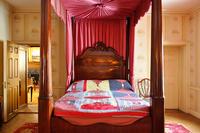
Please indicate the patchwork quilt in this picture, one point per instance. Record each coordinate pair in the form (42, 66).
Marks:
(101, 98)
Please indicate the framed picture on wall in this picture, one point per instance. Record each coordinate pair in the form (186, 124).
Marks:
(34, 54)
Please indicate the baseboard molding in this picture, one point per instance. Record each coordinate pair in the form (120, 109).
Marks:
(194, 113)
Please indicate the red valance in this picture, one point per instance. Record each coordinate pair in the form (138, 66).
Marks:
(96, 9)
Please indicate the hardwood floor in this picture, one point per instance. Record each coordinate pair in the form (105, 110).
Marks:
(35, 95)
(31, 108)
(17, 122)
(175, 116)
(189, 121)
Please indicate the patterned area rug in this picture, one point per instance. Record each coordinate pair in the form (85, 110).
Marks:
(169, 128)
(175, 128)
(28, 128)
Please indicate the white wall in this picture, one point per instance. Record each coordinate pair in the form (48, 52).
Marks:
(58, 57)
(182, 30)
(5, 20)
(142, 49)
(5, 35)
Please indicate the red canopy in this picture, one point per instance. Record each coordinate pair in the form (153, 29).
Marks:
(113, 32)
(101, 8)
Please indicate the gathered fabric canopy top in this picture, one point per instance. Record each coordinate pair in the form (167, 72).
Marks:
(94, 9)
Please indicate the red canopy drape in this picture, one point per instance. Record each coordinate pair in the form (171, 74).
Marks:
(112, 32)
(131, 50)
(69, 50)
(99, 20)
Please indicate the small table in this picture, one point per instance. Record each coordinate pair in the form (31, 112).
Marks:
(30, 87)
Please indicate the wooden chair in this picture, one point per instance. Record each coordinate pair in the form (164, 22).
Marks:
(144, 88)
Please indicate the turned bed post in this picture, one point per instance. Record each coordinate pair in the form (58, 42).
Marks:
(157, 110)
(45, 96)
(127, 71)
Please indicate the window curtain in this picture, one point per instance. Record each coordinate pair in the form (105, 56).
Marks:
(69, 50)
(112, 32)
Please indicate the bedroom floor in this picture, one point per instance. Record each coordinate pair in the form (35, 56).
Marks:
(192, 123)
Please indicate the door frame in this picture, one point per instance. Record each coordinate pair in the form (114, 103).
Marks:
(5, 116)
(2, 82)
(184, 91)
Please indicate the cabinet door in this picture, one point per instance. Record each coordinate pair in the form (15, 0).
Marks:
(32, 27)
(173, 28)
(172, 77)
(18, 27)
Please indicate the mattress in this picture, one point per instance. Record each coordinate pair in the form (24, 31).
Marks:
(101, 101)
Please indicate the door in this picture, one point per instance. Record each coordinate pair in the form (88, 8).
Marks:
(12, 79)
(172, 70)
(22, 76)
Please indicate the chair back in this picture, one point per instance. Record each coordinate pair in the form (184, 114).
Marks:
(144, 87)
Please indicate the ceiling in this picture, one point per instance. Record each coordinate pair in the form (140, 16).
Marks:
(179, 5)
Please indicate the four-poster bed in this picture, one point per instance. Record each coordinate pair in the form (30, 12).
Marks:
(87, 60)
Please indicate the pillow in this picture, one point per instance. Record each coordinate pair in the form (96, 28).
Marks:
(89, 85)
(116, 84)
(104, 85)
(76, 86)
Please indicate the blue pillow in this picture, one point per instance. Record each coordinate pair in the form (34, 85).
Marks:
(119, 84)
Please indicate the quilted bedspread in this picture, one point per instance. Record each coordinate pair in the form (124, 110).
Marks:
(96, 103)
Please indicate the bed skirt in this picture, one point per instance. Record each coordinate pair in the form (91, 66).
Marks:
(59, 125)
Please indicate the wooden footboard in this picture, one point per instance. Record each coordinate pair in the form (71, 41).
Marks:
(59, 125)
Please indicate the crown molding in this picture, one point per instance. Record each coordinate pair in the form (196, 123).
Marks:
(195, 10)
(15, 10)
(175, 11)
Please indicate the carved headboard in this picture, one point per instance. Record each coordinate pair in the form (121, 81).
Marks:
(99, 62)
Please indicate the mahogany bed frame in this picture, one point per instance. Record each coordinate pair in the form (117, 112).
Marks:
(99, 62)
(50, 123)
